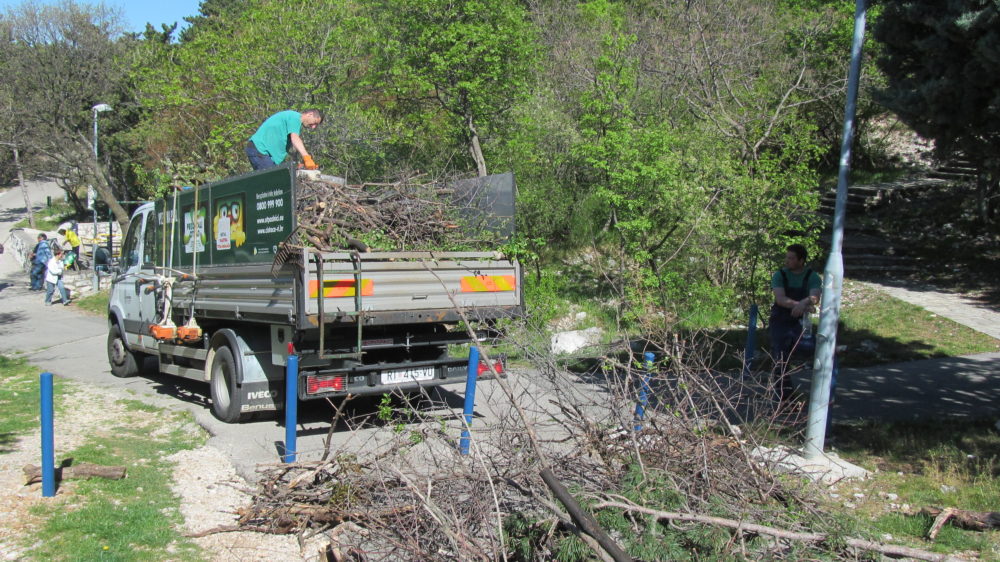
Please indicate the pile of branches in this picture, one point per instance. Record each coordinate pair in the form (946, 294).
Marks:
(555, 440)
(404, 215)
(375, 511)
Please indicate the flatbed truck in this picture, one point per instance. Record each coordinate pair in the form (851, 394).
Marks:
(212, 286)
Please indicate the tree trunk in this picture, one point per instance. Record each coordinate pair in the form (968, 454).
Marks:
(103, 188)
(475, 149)
(24, 188)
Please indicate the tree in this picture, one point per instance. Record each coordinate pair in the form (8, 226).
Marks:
(942, 61)
(203, 98)
(690, 190)
(473, 59)
(58, 62)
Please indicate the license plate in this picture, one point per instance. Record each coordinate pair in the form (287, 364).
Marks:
(408, 375)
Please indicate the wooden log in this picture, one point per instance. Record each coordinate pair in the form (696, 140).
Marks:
(83, 470)
(962, 518)
(744, 527)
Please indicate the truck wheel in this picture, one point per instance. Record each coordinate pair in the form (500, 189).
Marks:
(226, 396)
(124, 362)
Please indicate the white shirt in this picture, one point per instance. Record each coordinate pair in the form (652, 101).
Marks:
(54, 270)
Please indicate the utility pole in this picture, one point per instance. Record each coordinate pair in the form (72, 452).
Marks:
(833, 276)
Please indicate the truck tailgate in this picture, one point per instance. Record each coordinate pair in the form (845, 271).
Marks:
(482, 283)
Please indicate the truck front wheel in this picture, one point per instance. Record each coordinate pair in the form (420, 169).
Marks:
(124, 362)
(226, 397)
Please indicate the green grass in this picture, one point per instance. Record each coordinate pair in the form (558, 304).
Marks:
(50, 217)
(131, 519)
(96, 303)
(940, 463)
(878, 329)
(19, 399)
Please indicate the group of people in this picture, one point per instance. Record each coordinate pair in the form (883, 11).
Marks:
(48, 263)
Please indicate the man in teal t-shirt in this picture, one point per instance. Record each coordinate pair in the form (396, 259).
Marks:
(796, 291)
(269, 145)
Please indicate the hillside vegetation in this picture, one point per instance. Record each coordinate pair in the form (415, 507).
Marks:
(677, 145)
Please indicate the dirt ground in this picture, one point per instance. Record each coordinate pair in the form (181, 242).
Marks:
(205, 481)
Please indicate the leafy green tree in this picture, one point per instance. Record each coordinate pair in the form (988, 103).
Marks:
(691, 207)
(473, 59)
(204, 97)
(942, 61)
(58, 61)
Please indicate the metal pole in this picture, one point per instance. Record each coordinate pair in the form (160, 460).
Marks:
(470, 399)
(93, 207)
(291, 406)
(833, 278)
(751, 349)
(640, 408)
(48, 439)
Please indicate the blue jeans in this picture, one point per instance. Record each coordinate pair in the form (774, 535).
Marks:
(37, 276)
(258, 160)
(50, 287)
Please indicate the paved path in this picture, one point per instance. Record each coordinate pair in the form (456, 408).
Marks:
(958, 308)
(957, 387)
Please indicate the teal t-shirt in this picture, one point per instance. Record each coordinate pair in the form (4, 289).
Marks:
(795, 279)
(272, 136)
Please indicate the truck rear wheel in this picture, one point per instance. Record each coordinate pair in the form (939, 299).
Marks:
(227, 400)
(124, 362)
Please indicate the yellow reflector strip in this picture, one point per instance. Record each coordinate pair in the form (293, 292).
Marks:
(334, 288)
(488, 283)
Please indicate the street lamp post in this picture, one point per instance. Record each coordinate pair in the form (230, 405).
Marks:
(91, 197)
(97, 109)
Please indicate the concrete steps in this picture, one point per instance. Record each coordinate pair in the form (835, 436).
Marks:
(867, 252)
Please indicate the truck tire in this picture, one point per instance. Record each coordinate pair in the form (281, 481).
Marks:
(124, 362)
(227, 400)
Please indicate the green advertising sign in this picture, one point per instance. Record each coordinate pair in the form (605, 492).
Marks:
(236, 220)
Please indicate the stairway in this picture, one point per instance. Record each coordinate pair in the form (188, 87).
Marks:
(867, 250)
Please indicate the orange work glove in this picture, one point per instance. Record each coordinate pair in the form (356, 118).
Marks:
(310, 164)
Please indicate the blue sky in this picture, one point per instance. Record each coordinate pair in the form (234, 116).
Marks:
(137, 12)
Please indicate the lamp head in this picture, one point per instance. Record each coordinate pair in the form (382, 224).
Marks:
(101, 107)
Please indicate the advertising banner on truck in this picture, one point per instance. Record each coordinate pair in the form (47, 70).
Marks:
(237, 220)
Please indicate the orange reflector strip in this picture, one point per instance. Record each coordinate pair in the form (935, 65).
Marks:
(488, 283)
(333, 288)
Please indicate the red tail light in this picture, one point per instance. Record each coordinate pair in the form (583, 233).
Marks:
(484, 368)
(316, 384)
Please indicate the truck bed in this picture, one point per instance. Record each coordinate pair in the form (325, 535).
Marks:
(396, 288)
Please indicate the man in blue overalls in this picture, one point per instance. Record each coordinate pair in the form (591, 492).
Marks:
(796, 291)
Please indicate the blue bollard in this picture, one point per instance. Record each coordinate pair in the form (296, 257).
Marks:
(751, 350)
(644, 391)
(470, 398)
(48, 438)
(291, 407)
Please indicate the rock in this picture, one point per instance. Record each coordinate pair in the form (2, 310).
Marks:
(569, 342)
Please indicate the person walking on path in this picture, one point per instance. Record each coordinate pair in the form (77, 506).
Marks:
(53, 278)
(796, 291)
(269, 145)
(39, 262)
